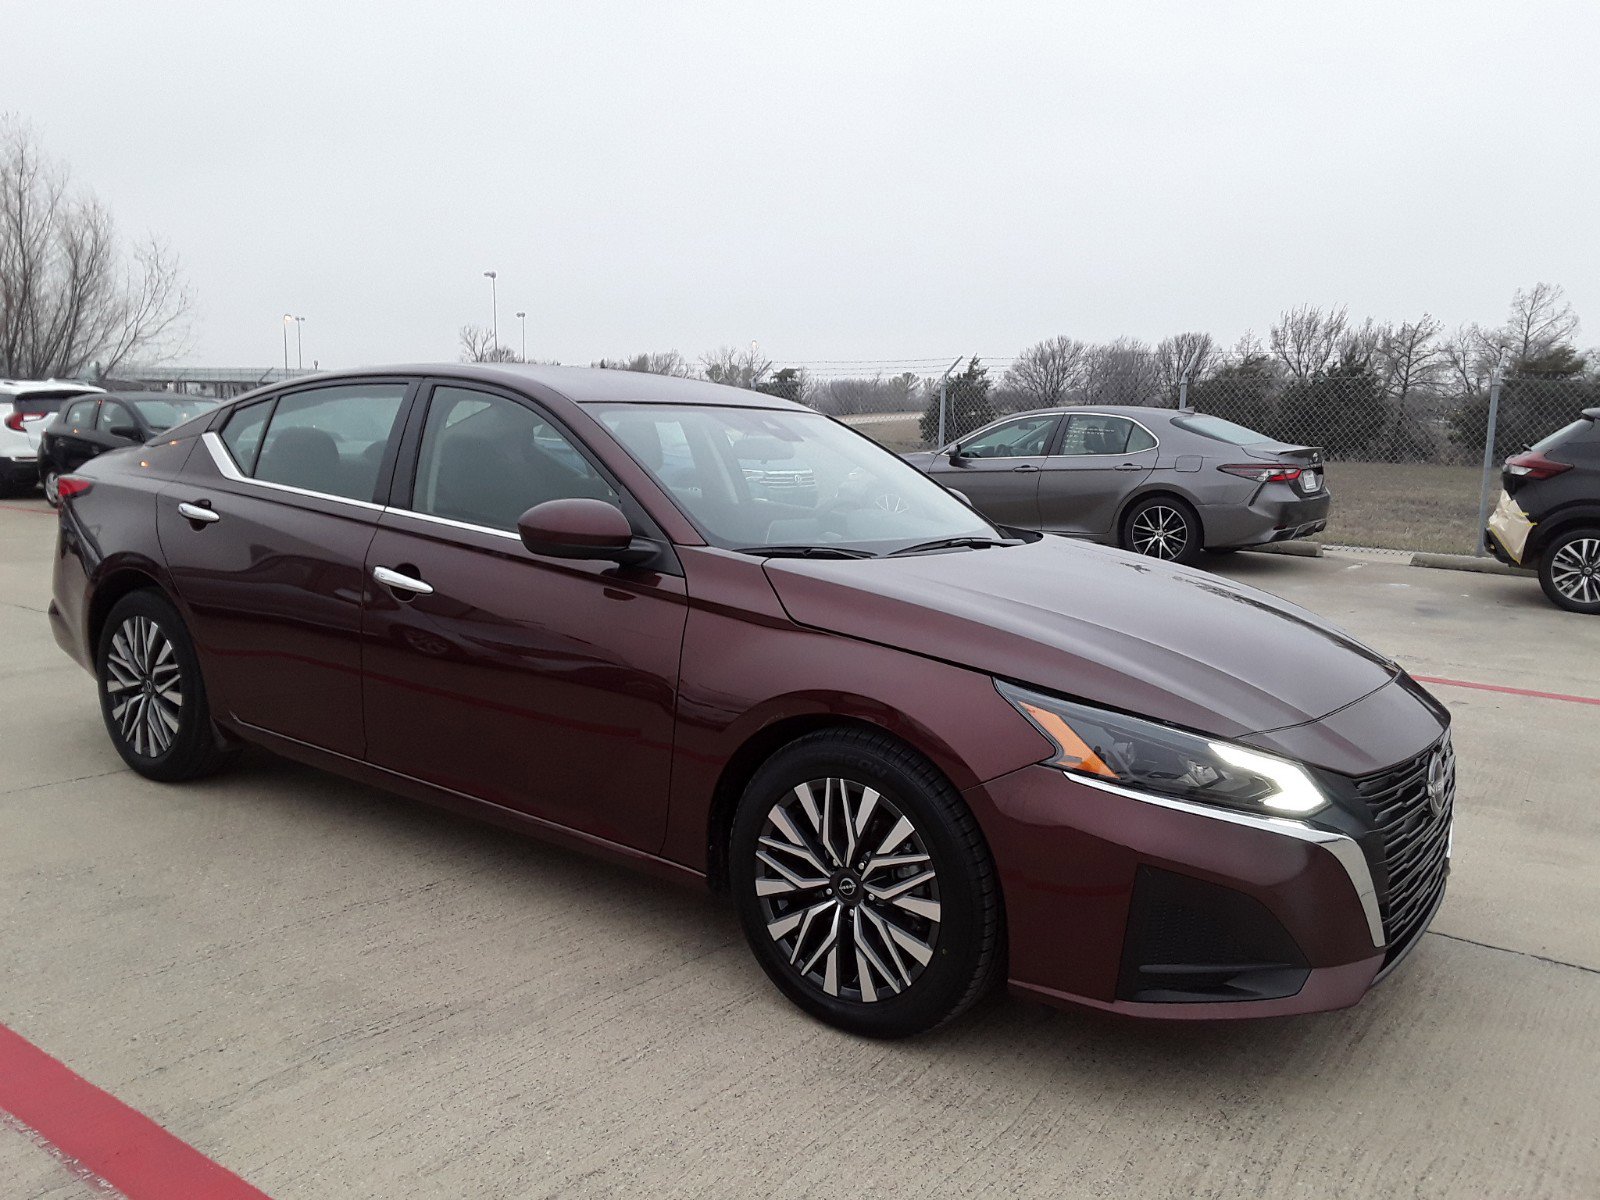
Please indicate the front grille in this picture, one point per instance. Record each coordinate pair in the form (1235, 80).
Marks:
(1414, 823)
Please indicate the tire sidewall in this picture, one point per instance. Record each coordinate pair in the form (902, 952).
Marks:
(1191, 549)
(194, 743)
(947, 979)
(1547, 568)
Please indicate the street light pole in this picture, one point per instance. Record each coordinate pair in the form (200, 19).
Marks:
(522, 317)
(287, 320)
(299, 344)
(494, 300)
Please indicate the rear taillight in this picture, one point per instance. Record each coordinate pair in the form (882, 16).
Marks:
(1263, 472)
(1535, 465)
(14, 422)
(69, 486)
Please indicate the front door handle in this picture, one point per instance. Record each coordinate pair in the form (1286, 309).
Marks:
(405, 583)
(197, 512)
(1025, 467)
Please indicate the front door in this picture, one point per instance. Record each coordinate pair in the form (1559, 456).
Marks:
(272, 579)
(538, 684)
(998, 469)
(1100, 460)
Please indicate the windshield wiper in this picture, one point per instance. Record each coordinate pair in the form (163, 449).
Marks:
(805, 552)
(956, 543)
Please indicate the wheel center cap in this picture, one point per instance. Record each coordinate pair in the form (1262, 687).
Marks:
(848, 888)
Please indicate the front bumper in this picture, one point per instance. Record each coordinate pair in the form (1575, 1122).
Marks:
(1151, 908)
(1268, 518)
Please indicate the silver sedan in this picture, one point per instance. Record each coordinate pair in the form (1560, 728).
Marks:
(1163, 482)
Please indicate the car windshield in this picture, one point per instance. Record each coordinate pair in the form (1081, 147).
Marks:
(1220, 430)
(161, 415)
(755, 479)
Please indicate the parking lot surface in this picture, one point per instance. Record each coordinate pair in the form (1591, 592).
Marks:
(337, 993)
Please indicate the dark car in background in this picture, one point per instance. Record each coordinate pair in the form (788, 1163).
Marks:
(1549, 514)
(924, 755)
(93, 424)
(26, 407)
(1161, 482)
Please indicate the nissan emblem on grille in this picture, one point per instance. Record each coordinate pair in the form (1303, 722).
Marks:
(1441, 777)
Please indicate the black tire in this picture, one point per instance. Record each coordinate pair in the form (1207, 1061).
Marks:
(948, 963)
(1569, 570)
(1165, 528)
(137, 725)
(51, 481)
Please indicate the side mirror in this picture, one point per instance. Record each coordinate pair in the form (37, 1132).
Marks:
(128, 432)
(953, 453)
(582, 528)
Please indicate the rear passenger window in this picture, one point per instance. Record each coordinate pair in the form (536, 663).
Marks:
(486, 460)
(242, 434)
(330, 440)
(80, 417)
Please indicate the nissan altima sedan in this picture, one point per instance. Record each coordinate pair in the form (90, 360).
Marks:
(1167, 483)
(923, 753)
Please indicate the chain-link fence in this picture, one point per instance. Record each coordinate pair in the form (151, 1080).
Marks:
(1407, 459)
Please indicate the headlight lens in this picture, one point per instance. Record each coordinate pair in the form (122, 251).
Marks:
(1168, 762)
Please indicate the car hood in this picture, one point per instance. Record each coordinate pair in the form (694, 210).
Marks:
(1096, 624)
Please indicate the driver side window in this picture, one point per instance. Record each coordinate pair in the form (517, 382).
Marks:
(1026, 437)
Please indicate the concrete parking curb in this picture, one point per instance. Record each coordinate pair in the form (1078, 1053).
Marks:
(1296, 549)
(1466, 562)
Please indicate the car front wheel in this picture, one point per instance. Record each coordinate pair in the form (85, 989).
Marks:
(151, 694)
(864, 886)
(1163, 527)
(1569, 571)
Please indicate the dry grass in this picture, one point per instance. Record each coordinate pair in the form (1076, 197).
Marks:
(1403, 506)
(1397, 506)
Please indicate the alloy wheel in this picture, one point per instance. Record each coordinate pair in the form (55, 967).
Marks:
(847, 890)
(52, 488)
(1159, 531)
(1575, 570)
(144, 686)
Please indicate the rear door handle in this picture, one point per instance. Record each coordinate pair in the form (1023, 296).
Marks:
(1129, 467)
(406, 583)
(1025, 467)
(197, 512)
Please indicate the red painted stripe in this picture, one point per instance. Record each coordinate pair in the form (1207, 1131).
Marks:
(40, 512)
(84, 1125)
(1509, 691)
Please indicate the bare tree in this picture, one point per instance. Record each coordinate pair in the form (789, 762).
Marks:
(70, 296)
(657, 362)
(1304, 339)
(1043, 373)
(1173, 355)
(740, 368)
(1410, 358)
(1539, 321)
(478, 345)
(1470, 354)
(1359, 344)
(1123, 371)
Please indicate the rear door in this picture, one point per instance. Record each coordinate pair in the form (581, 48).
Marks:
(998, 468)
(268, 553)
(71, 436)
(1100, 459)
(539, 684)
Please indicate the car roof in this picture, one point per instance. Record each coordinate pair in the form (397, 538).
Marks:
(582, 385)
(156, 394)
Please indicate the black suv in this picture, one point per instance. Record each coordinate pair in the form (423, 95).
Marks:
(1549, 514)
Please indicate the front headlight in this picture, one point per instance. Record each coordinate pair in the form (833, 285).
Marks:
(1154, 758)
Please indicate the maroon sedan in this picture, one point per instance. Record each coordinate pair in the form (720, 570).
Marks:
(923, 752)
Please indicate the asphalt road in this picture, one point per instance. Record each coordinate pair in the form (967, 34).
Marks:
(336, 993)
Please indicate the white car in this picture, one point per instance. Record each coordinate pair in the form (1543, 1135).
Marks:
(26, 407)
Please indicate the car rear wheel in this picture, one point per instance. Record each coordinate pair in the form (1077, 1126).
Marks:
(1569, 571)
(52, 487)
(864, 887)
(1163, 527)
(151, 694)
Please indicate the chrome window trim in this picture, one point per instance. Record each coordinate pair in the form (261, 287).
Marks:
(230, 471)
(452, 523)
(1118, 417)
(1344, 849)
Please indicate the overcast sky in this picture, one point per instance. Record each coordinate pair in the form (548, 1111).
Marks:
(839, 181)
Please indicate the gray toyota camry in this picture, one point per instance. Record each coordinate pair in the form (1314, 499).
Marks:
(1163, 482)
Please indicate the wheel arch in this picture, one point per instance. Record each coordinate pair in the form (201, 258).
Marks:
(113, 587)
(1157, 491)
(1582, 515)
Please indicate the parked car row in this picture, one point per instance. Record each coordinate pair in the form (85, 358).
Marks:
(714, 634)
(1160, 482)
(54, 428)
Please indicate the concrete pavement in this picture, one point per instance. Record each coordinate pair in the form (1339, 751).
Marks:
(337, 993)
